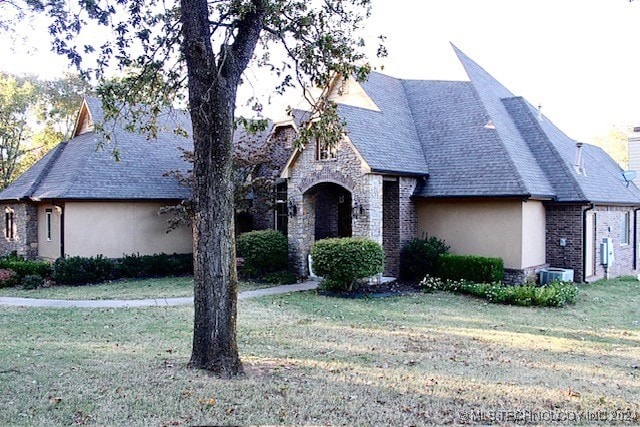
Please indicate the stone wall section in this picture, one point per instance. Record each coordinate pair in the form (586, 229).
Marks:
(278, 148)
(347, 170)
(25, 230)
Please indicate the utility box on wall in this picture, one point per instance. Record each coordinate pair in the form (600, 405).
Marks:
(607, 256)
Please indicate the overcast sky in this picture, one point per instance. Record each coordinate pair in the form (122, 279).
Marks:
(579, 59)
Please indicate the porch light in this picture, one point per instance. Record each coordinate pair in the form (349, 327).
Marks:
(292, 209)
(357, 210)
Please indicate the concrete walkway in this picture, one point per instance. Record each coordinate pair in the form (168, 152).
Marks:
(154, 302)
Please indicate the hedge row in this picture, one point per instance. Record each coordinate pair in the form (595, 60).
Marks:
(471, 268)
(80, 270)
(15, 270)
(554, 294)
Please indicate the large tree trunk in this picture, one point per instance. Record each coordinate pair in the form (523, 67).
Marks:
(215, 292)
(212, 102)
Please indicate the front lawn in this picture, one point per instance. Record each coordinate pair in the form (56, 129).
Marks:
(313, 360)
(165, 287)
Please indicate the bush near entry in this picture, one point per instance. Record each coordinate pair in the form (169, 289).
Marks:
(341, 261)
(420, 257)
(263, 251)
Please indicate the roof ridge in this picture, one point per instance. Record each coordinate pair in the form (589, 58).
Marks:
(413, 122)
(548, 143)
(514, 168)
(46, 169)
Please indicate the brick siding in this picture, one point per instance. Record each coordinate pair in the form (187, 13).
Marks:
(391, 226)
(567, 222)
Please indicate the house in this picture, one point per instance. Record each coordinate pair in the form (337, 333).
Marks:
(82, 200)
(469, 163)
(465, 161)
(78, 200)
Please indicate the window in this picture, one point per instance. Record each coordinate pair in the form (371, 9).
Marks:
(281, 210)
(624, 228)
(49, 212)
(8, 224)
(325, 151)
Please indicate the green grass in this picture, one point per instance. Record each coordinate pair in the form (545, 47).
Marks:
(165, 287)
(313, 360)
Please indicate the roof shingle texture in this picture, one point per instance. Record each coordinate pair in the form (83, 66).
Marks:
(86, 168)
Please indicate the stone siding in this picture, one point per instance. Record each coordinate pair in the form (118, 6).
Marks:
(525, 276)
(278, 150)
(307, 176)
(25, 230)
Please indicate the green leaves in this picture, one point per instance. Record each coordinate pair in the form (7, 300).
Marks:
(341, 261)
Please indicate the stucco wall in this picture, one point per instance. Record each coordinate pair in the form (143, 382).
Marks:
(510, 229)
(116, 228)
(534, 220)
(49, 248)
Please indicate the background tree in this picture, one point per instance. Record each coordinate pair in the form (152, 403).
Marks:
(615, 143)
(205, 47)
(35, 115)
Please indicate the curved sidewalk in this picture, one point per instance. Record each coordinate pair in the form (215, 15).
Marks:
(152, 302)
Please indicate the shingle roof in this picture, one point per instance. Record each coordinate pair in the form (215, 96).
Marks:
(78, 169)
(477, 139)
(387, 139)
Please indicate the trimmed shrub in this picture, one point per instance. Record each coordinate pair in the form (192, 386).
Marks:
(24, 267)
(263, 251)
(77, 270)
(158, 265)
(32, 281)
(471, 268)
(341, 261)
(554, 294)
(420, 257)
(8, 278)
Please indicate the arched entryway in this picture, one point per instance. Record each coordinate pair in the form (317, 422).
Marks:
(332, 210)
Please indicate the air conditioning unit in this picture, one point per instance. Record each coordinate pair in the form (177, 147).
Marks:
(552, 274)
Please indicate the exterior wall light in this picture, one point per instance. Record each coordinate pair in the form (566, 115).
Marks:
(292, 209)
(357, 210)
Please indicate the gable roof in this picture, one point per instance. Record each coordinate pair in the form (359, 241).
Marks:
(80, 169)
(476, 139)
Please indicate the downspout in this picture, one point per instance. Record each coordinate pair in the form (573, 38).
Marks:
(61, 206)
(584, 241)
(635, 238)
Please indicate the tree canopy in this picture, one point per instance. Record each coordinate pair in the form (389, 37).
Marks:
(197, 51)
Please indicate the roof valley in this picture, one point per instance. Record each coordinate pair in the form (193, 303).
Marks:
(46, 169)
(542, 149)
